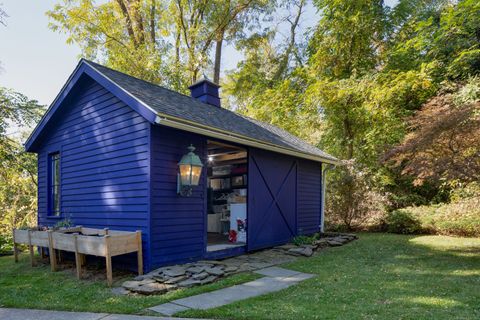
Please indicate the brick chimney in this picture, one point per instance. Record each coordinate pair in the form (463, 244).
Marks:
(206, 91)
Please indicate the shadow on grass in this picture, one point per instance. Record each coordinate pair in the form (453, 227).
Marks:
(380, 276)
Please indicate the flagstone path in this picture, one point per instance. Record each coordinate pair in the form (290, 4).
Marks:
(275, 279)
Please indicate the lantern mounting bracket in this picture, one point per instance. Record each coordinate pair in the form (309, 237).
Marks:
(184, 191)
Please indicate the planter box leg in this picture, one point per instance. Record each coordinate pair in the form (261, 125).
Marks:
(30, 248)
(51, 252)
(78, 260)
(78, 263)
(108, 261)
(139, 253)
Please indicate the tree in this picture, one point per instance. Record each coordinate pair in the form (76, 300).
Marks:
(441, 34)
(162, 41)
(269, 84)
(18, 169)
(444, 139)
(348, 38)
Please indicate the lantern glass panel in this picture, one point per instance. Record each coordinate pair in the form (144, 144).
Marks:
(185, 174)
(196, 172)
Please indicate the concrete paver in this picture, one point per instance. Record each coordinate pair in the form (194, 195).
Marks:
(33, 314)
(275, 279)
(168, 308)
(277, 272)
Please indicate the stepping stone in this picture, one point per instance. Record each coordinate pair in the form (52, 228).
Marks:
(168, 309)
(197, 269)
(151, 288)
(334, 243)
(174, 272)
(200, 276)
(143, 277)
(207, 280)
(130, 284)
(188, 283)
(230, 269)
(215, 271)
(286, 247)
(176, 279)
(301, 251)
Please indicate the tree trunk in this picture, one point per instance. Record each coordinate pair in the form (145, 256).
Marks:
(128, 21)
(218, 60)
(152, 23)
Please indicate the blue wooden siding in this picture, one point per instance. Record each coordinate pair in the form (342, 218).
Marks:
(309, 196)
(120, 171)
(104, 156)
(178, 223)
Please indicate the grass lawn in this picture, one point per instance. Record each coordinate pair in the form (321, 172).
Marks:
(22, 286)
(380, 276)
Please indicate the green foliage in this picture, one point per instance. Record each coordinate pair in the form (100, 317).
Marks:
(18, 170)
(162, 41)
(303, 240)
(403, 222)
(347, 38)
(443, 35)
(352, 199)
(64, 223)
(460, 217)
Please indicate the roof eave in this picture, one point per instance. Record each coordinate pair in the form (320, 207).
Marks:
(232, 137)
(84, 67)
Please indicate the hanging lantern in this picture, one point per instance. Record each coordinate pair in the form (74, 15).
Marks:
(190, 169)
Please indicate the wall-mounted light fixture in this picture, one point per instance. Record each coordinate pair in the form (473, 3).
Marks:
(190, 169)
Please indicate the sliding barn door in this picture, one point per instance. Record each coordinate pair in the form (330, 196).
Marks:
(272, 193)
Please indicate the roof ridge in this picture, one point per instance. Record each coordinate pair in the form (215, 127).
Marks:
(139, 79)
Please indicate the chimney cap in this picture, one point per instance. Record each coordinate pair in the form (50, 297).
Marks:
(202, 80)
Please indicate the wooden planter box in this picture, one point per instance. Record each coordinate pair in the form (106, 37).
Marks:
(84, 241)
(30, 238)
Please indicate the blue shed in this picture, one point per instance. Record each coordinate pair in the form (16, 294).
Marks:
(109, 149)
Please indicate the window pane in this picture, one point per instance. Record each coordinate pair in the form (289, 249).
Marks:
(56, 172)
(56, 200)
(54, 184)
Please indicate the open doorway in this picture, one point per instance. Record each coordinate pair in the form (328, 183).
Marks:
(227, 196)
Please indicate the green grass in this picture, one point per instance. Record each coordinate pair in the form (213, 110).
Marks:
(22, 286)
(380, 276)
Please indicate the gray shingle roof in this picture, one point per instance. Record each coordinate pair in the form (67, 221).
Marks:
(170, 103)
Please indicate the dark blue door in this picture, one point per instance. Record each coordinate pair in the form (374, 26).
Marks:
(272, 193)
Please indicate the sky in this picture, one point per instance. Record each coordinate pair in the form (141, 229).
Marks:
(37, 61)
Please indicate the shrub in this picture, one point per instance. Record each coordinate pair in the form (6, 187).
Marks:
(302, 240)
(402, 221)
(460, 217)
(352, 200)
